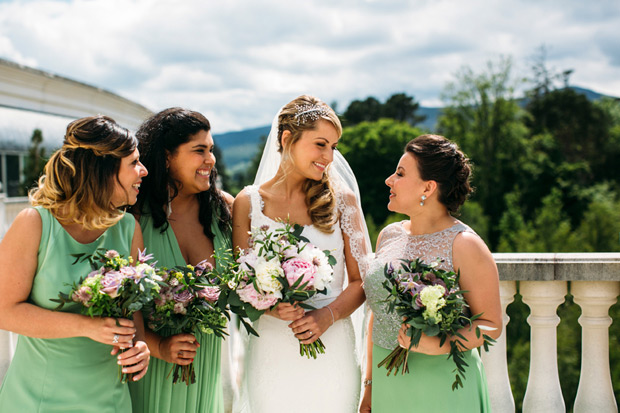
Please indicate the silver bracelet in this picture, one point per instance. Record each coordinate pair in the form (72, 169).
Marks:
(332, 313)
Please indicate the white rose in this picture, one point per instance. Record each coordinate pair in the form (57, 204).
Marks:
(432, 298)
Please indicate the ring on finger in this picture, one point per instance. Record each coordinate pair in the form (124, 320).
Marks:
(180, 354)
(115, 339)
(311, 333)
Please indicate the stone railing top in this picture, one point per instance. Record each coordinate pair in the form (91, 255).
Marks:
(579, 266)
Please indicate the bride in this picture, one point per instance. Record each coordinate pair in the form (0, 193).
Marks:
(297, 181)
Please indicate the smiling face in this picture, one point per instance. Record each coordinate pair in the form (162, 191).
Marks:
(312, 153)
(130, 174)
(192, 162)
(406, 186)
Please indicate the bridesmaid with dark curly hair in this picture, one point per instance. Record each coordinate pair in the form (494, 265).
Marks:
(185, 219)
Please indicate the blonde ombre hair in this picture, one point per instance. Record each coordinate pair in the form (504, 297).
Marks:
(80, 178)
(300, 115)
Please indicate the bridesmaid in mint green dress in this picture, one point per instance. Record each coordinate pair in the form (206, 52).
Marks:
(65, 361)
(430, 183)
(185, 219)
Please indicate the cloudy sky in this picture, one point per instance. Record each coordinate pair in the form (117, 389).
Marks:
(238, 61)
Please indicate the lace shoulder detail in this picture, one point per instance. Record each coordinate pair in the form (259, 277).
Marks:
(256, 202)
(397, 242)
(353, 225)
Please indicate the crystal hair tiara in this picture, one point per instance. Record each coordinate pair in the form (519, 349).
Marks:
(309, 112)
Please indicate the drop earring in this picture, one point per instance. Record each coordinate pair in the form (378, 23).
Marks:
(423, 199)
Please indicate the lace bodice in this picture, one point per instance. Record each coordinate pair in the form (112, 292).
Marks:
(332, 242)
(395, 244)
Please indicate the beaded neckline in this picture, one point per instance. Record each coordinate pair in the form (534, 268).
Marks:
(401, 226)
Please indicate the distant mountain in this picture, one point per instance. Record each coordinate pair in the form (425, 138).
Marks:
(238, 148)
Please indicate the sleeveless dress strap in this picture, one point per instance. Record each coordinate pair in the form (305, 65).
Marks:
(256, 202)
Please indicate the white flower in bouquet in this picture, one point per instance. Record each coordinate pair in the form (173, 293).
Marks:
(267, 273)
(432, 297)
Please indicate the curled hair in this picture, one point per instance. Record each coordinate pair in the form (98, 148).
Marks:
(442, 161)
(159, 136)
(320, 195)
(80, 178)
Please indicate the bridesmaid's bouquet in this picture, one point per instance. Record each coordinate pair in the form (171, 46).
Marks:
(430, 301)
(280, 266)
(188, 303)
(114, 288)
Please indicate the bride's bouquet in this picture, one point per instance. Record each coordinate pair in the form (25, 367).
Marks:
(188, 303)
(114, 288)
(430, 301)
(280, 266)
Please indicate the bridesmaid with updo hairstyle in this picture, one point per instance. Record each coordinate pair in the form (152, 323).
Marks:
(65, 361)
(431, 182)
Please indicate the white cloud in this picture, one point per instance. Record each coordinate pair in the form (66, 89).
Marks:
(239, 61)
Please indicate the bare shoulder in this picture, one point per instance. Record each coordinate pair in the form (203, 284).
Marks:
(242, 200)
(467, 243)
(228, 198)
(25, 229)
(469, 251)
(28, 219)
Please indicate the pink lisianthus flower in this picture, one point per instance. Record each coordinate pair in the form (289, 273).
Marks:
(111, 282)
(261, 302)
(297, 268)
(211, 294)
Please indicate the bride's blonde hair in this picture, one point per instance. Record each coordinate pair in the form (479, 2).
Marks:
(300, 115)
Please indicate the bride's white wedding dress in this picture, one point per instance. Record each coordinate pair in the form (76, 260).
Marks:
(276, 377)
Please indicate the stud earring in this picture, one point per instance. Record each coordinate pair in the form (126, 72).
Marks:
(423, 199)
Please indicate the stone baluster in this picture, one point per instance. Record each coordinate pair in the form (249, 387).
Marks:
(495, 362)
(595, 392)
(543, 393)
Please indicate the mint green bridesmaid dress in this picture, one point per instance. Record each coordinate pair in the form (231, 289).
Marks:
(70, 374)
(427, 387)
(155, 393)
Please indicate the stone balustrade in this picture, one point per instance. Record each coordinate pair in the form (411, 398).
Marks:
(543, 280)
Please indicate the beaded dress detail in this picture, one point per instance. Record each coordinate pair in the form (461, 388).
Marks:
(396, 244)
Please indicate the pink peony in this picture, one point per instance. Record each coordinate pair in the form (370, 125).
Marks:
(297, 268)
(259, 301)
(211, 294)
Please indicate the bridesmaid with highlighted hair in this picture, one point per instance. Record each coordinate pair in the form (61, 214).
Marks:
(65, 361)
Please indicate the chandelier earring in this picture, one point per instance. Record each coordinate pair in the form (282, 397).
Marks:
(423, 198)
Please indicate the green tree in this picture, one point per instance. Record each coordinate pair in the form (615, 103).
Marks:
(359, 111)
(34, 163)
(373, 150)
(402, 108)
(399, 106)
(484, 118)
